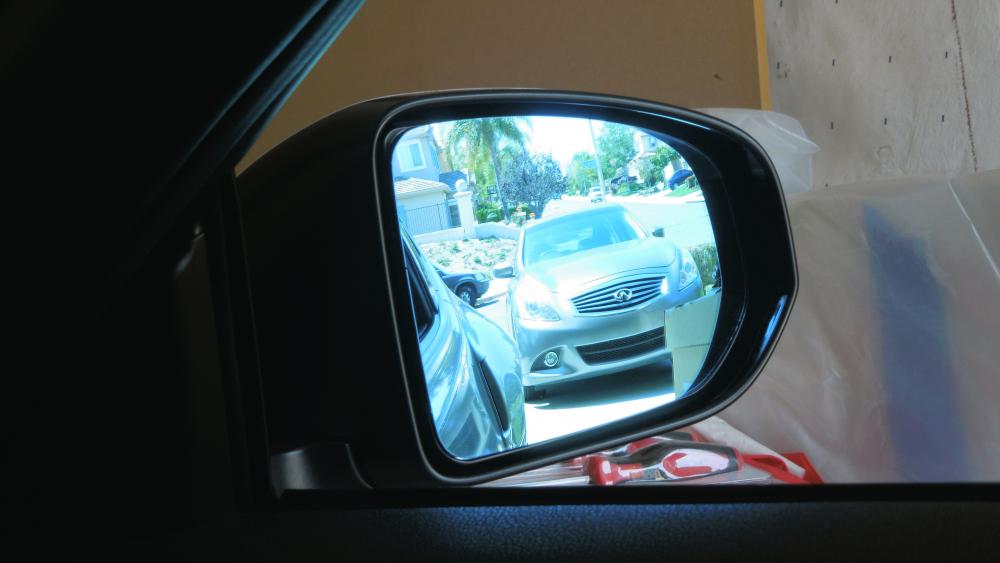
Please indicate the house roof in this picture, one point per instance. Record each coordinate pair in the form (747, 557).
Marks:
(412, 186)
(451, 177)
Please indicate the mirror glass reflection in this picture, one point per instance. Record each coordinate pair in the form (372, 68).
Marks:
(563, 274)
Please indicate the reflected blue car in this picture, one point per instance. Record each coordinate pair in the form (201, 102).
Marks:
(679, 178)
(471, 367)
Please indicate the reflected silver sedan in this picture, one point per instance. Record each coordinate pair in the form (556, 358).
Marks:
(589, 293)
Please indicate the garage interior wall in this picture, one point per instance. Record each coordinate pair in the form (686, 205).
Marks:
(696, 54)
(889, 88)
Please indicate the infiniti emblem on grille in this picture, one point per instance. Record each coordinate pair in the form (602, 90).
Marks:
(623, 295)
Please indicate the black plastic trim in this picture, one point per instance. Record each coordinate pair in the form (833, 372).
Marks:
(651, 494)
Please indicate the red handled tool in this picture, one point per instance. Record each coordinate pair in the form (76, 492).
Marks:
(665, 460)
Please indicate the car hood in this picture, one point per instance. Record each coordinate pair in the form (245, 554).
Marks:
(570, 272)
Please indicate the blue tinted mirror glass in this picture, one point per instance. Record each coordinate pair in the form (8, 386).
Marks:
(563, 272)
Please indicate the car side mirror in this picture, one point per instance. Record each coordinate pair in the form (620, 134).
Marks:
(503, 271)
(467, 394)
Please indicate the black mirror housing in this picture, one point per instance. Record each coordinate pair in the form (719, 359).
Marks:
(311, 397)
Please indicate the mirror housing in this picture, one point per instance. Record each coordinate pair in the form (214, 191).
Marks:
(299, 287)
(658, 232)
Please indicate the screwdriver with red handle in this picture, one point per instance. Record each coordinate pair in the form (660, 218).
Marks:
(663, 461)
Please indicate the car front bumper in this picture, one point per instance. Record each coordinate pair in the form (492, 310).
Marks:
(482, 287)
(595, 345)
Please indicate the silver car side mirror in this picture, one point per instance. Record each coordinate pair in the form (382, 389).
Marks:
(505, 271)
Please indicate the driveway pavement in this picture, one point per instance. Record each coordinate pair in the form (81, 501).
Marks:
(498, 287)
(573, 407)
(586, 404)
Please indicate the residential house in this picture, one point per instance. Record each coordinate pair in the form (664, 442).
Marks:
(645, 146)
(416, 155)
(452, 178)
(423, 201)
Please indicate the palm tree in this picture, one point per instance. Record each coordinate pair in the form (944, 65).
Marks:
(483, 136)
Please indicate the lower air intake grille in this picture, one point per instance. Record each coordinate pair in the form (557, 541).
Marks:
(623, 348)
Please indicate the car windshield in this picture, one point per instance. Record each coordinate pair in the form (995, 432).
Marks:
(585, 231)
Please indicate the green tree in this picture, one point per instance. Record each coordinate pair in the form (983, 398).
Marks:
(479, 140)
(508, 154)
(649, 172)
(532, 180)
(664, 155)
(582, 173)
(615, 148)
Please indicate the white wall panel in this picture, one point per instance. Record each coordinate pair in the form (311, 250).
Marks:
(878, 84)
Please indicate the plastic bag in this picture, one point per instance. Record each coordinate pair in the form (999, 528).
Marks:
(709, 453)
(783, 139)
(889, 366)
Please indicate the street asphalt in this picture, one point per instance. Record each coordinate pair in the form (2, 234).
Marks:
(573, 407)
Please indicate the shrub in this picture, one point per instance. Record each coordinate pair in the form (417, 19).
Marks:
(488, 212)
(706, 256)
(527, 209)
(473, 255)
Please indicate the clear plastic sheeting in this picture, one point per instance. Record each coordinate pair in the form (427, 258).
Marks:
(889, 366)
(783, 139)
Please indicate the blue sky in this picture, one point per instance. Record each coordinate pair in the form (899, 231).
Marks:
(562, 137)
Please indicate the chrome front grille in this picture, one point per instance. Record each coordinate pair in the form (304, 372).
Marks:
(618, 296)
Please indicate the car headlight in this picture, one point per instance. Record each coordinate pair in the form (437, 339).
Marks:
(481, 277)
(534, 303)
(689, 269)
